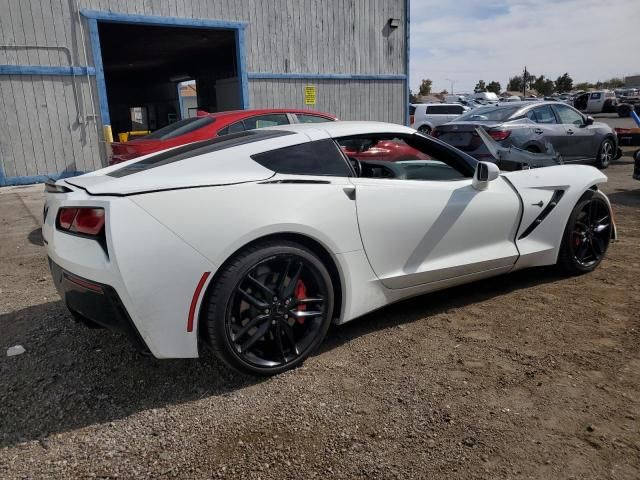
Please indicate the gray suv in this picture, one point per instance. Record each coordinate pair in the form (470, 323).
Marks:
(529, 126)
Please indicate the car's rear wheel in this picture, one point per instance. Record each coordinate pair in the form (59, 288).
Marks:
(606, 153)
(587, 235)
(269, 308)
(426, 129)
(624, 111)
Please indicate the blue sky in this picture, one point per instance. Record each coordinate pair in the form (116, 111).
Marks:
(467, 40)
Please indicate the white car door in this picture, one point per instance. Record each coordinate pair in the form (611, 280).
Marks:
(431, 224)
(595, 103)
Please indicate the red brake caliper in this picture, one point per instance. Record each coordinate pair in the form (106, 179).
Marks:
(300, 293)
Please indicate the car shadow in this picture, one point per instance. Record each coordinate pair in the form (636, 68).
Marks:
(71, 376)
(35, 237)
(424, 306)
(628, 198)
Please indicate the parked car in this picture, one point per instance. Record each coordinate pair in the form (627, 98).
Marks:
(256, 242)
(424, 117)
(530, 126)
(211, 125)
(601, 101)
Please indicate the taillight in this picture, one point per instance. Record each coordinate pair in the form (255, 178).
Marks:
(83, 220)
(499, 135)
(411, 119)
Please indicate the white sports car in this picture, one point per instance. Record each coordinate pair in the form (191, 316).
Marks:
(255, 242)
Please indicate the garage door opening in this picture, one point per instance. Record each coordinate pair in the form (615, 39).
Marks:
(145, 67)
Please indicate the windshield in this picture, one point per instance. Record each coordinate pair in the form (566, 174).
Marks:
(487, 114)
(179, 128)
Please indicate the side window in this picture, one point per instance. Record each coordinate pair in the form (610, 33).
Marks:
(302, 118)
(596, 96)
(270, 120)
(437, 109)
(544, 114)
(404, 157)
(456, 109)
(233, 128)
(321, 157)
(531, 115)
(569, 116)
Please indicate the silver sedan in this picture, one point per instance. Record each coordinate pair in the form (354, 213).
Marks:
(533, 127)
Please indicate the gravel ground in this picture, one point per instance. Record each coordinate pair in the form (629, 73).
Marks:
(530, 375)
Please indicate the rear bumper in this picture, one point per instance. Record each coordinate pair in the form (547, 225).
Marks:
(95, 303)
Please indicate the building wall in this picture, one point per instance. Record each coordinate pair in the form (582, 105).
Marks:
(51, 123)
(632, 81)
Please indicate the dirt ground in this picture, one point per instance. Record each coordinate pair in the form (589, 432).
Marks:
(531, 375)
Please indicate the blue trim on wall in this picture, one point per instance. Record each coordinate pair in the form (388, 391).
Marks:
(156, 20)
(45, 70)
(242, 68)
(324, 76)
(97, 61)
(29, 179)
(407, 66)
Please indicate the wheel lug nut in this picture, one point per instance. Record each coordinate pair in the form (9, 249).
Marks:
(275, 299)
(266, 310)
(286, 316)
(287, 301)
(273, 322)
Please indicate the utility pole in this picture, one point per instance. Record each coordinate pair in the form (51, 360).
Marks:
(525, 74)
(452, 82)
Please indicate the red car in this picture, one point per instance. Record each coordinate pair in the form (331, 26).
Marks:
(208, 125)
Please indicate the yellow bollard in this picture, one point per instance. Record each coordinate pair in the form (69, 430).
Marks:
(108, 134)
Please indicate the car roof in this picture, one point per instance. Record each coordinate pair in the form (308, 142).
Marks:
(341, 128)
(525, 103)
(265, 111)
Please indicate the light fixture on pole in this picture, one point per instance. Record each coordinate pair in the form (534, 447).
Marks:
(452, 82)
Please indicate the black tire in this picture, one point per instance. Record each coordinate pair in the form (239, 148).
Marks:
(606, 154)
(587, 235)
(425, 129)
(624, 111)
(247, 330)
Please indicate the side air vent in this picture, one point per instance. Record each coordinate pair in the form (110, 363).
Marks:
(557, 195)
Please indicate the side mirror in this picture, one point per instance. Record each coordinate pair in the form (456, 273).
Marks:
(588, 121)
(485, 172)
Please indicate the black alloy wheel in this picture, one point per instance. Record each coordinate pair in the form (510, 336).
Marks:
(273, 310)
(587, 235)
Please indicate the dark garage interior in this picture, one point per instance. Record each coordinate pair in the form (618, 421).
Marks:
(144, 64)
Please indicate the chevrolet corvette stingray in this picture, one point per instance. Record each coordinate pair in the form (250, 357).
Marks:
(255, 242)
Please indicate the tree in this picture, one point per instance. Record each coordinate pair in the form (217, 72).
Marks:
(425, 87)
(480, 87)
(564, 83)
(494, 87)
(515, 84)
(413, 98)
(543, 86)
(583, 86)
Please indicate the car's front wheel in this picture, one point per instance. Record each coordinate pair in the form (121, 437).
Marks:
(587, 235)
(606, 153)
(425, 129)
(270, 308)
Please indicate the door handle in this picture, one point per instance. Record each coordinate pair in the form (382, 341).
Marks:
(539, 131)
(570, 131)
